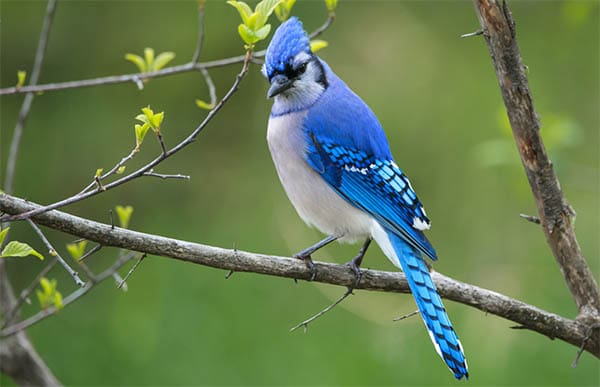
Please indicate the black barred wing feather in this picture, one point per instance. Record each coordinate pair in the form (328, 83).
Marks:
(376, 186)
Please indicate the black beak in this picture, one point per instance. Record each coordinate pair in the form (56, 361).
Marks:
(279, 83)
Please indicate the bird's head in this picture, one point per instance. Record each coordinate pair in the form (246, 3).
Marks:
(293, 71)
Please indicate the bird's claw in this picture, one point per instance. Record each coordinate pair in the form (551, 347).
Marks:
(357, 273)
(309, 263)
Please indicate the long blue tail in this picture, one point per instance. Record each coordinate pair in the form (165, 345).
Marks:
(431, 307)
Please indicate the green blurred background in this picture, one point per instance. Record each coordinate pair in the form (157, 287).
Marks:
(437, 97)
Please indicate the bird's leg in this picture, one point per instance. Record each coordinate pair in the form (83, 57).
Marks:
(305, 254)
(355, 262)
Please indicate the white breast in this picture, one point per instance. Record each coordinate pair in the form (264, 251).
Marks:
(316, 203)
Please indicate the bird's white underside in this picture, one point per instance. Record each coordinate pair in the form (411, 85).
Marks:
(314, 200)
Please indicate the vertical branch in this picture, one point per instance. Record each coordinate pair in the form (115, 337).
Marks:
(24, 112)
(200, 41)
(18, 357)
(555, 214)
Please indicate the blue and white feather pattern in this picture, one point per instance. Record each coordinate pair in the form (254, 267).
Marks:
(334, 162)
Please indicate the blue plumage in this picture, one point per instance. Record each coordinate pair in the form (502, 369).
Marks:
(289, 39)
(430, 306)
(334, 161)
(377, 186)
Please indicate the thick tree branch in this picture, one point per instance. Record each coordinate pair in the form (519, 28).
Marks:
(556, 216)
(530, 317)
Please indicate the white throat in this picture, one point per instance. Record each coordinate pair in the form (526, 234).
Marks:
(305, 91)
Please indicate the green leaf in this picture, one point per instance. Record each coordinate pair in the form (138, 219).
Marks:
(76, 249)
(124, 214)
(247, 34)
(264, 9)
(284, 9)
(143, 118)
(3, 235)
(263, 32)
(162, 59)
(204, 105)
(140, 133)
(331, 5)
(47, 285)
(19, 249)
(252, 21)
(48, 295)
(138, 61)
(244, 10)
(21, 76)
(98, 172)
(58, 301)
(317, 44)
(121, 169)
(148, 112)
(149, 57)
(157, 119)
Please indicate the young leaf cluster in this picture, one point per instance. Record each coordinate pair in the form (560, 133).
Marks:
(124, 215)
(284, 9)
(331, 5)
(318, 44)
(48, 295)
(21, 76)
(149, 62)
(149, 120)
(254, 27)
(77, 249)
(16, 249)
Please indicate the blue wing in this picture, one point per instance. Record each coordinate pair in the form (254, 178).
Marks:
(375, 185)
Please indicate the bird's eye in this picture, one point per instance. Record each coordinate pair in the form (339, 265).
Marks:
(302, 68)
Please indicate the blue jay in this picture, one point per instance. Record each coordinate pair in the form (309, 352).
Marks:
(334, 162)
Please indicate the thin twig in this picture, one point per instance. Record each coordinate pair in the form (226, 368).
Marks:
(92, 251)
(305, 323)
(211, 87)
(26, 106)
(130, 272)
(99, 185)
(55, 253)
(470, 34)
(115, 79)
(88, 272)
(406, 316)
(142, 170)
(111, 172)
(200, 41)
(25, 293)
(119, 281)
(162, 176)
(324, 27)
(530, 218)
(161, 141)
(588, 336)
(76, 295)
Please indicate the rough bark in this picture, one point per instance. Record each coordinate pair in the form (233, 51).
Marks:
(527, 316)
(555, 213)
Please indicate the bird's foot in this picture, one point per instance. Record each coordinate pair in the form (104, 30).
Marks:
(307, 258)
(354, 264)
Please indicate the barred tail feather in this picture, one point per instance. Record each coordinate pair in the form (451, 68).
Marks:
(430, 306)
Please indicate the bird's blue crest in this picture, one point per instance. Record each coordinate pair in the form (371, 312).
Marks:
(289, 40)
